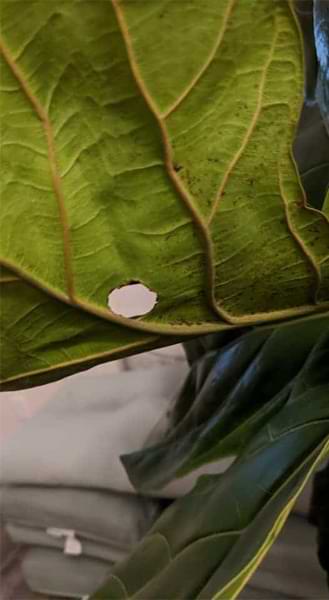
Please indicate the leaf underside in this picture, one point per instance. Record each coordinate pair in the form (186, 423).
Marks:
(137, 148)
(44, 339)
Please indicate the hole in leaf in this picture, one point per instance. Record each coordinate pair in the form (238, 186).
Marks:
(132, 300)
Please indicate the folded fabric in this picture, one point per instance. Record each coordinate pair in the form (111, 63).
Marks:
(77, 439)
(106, 524)
(51, 572)
(62, 482)
(65, 540)
(289, 571)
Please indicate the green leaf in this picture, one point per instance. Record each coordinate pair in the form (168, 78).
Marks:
(311, 151)
(135, 148)
(311, 146)
(304, 12)
(46, 339)
(326, 204)
(229, 178)
(227, 397)
(229, 520)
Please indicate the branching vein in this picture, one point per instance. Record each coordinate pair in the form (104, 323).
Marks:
(168, 158)
(207, 63)
(56, 181)
(250, 129)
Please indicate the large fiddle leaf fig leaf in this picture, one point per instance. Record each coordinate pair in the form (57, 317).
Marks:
(219, 533)
(228, 395)
(135, 148)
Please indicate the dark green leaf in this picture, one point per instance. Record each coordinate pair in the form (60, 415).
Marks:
(321, 32)
(247, 381)
(326, 204)
(311, 146)
(311, 151)
(208, 544)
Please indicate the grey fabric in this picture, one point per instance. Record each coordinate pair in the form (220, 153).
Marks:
(116, 521)
(95, 514)
(50, 572)
(76, 440)
(291, 569)
(29, 536)
(63, 470)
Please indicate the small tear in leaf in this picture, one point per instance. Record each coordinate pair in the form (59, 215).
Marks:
(132, 300)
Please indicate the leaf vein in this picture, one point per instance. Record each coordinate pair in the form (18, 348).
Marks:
(56, 181)
(182, 192)
(206, 64)
(250, 129)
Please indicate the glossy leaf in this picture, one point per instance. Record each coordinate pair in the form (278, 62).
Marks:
(135, 148)
(311, 151)
(229, 520)
(321, 33)
(311, 146)
(326, 204)
(228, 395)
(305, 14)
